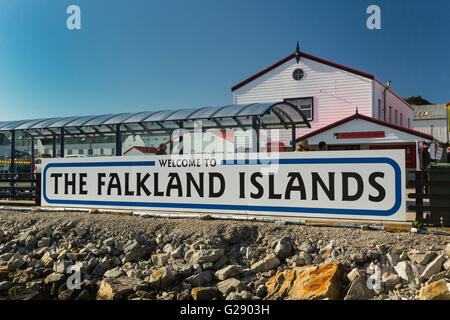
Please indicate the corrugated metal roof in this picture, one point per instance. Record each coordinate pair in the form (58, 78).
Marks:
(429, 111)
(290, 114)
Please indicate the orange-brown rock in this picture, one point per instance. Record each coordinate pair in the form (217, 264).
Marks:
(438, 290)
(307, 283)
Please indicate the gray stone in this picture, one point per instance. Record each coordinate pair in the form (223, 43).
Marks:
(109, 242)
(135, 254)
(5, 285)
(228, 272)
(261, 290)
(202, 278)
(162, 278)
(433, 267)
(80, 231)
(101, 268)
(421, 258)
(358, 290)
(16, 262)
(355, 273)
(160, 259)
(177, 253)
(325, 252)
(61, 266)
(203, 256)
(390, 280)
(405, 271)
(113, 273)
(204, 293)
(117, 288)
(131, 245)
(268, 263)
(6, 256)
(220, 263)
(436, 277)
(393, 259)
(44, 242)
(208, 266)
(306, 246)
(229, 285)
(307, 257)
(372, 254)
(167, 248)
(447, 265)
(283, 248)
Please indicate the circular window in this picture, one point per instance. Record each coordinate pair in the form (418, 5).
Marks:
(297, 74)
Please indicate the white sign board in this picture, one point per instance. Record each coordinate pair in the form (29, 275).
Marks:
(334, 184)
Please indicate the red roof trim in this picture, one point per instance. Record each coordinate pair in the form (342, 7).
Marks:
(308, 56)
(240, 84)
(361, 116)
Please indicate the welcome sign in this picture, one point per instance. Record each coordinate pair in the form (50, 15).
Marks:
(335, 184)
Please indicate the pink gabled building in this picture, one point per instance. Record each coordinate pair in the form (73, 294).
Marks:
(325, 91)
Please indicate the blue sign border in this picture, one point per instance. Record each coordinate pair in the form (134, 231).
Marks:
(355, 212)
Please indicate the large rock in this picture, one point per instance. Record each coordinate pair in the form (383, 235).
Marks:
(390, 280)
(405, 271)
(268, 263)
(325, 251)
(5, 285)
(228, 272)
(160, 258)
(359, 290)
(135, 254)
(283, 248)
(202, 278)
(118, 288)
(16, 262)
(307, 283)
(420, 257)
(432, 268)
(204, 293)
(227, 286)
(162, 278)
(438, 290)
(355, 273)
(204, 256)
(306, 246)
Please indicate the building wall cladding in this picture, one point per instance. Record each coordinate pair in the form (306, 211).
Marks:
(337, 93)
(404, 110)
(431, 119)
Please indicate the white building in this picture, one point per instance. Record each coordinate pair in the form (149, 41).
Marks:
(325, 91)
(432, 119)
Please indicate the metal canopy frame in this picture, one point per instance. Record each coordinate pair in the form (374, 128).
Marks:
(279, 115)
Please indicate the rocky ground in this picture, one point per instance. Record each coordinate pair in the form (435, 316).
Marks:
(129, 257)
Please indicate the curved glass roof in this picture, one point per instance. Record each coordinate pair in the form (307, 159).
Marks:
(284, 114)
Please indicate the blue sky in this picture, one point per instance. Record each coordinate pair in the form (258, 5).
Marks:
(135, 55)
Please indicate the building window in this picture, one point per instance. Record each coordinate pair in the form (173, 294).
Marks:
(401, 119)
(69, 152)
(396, 117)
(379, 110)
(409, 124)
(306, 105)
(390, 114)
(81, 151)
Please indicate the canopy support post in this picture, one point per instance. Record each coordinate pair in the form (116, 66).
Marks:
(12, 165)
(118, 141)
(54, 146)
(61, 152)
(255, 134)
(293, 137)
(181, 126)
